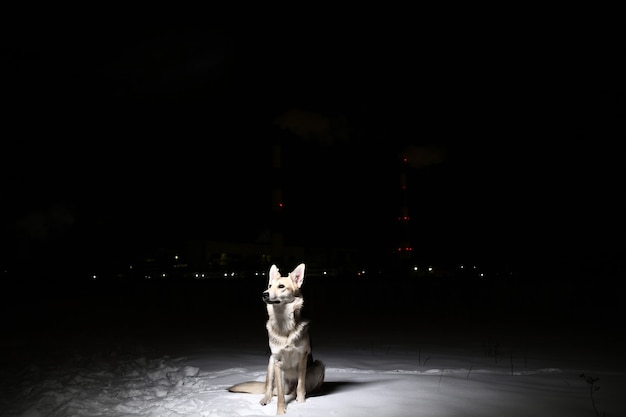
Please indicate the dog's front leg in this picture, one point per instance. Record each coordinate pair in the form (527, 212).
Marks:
(301, 387)
(269, 383)
(279, 374)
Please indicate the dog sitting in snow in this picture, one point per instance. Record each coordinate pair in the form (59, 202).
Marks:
(291, 366)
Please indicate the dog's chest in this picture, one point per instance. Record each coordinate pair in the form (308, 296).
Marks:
(289, 340)
(288, 335)
(289, 358)
(293, 339)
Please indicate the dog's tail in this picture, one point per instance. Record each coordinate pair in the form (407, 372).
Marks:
(250, 387)
(315, 373)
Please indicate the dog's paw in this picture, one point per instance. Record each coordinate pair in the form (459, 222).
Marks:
(265, 400)
(300, 399)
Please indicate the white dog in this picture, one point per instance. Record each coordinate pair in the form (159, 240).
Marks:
(291, 366)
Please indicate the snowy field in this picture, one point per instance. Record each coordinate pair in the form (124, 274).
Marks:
(172, 351)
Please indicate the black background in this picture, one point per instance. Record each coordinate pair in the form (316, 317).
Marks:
(125, 130)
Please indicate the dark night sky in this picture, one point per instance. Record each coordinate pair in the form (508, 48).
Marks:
(126, 131)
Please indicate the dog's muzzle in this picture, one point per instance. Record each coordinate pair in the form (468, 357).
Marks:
(266, 298)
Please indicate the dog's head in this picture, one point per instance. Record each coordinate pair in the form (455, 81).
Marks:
(282, 290)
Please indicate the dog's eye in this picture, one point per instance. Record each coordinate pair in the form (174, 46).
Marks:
(281, 286)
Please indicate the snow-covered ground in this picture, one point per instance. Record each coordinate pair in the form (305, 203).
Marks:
(169, 352)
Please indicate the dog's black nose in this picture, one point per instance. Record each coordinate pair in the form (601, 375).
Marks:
(266, 295)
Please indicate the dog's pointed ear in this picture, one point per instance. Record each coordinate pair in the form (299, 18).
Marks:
(274, 272)
(297, 275)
